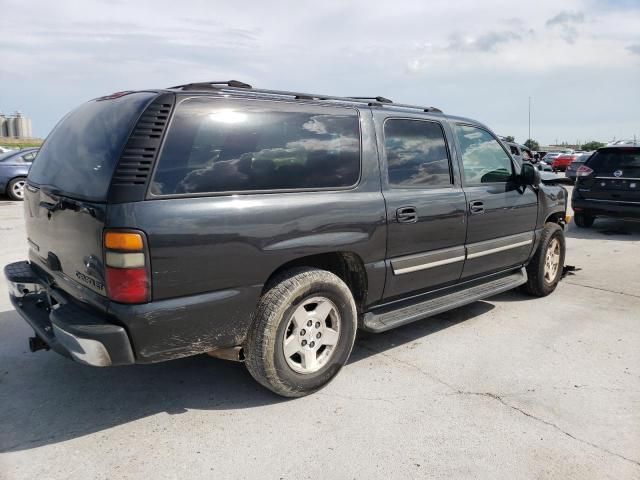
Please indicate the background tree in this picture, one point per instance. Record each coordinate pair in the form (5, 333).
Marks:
(592, 146)
(509, 138)
(532, 144)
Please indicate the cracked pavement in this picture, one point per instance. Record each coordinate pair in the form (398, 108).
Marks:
(510, 387)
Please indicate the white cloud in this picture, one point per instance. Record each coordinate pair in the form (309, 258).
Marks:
(480, 60)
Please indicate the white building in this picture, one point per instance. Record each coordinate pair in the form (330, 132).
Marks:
(16, 125)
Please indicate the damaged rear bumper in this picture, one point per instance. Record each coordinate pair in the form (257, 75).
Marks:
(64, 325)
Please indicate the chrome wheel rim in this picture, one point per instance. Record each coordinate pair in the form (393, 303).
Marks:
(552, 261)
(311, 335)
(18, 189)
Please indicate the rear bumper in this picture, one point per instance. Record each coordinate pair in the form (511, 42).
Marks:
(123, 334)
(606, 208)
(66, 327)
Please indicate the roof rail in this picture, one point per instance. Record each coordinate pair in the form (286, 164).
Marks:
(377, 99)
(201, 85)
(371, 101)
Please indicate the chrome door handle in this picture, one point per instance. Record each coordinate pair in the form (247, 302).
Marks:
(475, 207)
(407, 215)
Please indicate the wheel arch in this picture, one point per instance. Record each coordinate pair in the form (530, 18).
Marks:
(348, 266)
(556, 217)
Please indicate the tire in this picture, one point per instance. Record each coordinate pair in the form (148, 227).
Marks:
(542, 279)
(15, 188)
(584, 220)
(306, 293)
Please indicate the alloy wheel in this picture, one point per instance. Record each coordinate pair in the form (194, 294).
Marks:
(311, 336)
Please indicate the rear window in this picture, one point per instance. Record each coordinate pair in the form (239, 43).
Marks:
(80, 154)
(610, 159)
(216, 145)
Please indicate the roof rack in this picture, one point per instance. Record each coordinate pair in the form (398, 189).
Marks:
(377, 99)
(371, 101)
(204, 85)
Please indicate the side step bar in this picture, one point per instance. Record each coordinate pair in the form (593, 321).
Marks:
(386, 320)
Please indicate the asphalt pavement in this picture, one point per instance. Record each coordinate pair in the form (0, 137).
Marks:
(511, 387)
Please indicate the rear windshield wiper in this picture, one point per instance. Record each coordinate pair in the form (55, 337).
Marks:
(65, 204)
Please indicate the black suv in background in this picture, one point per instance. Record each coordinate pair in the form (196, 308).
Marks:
(608, 185)
(269, 226)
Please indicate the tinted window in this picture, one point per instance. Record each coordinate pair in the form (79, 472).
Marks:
(80, 154)
(416, 153)
(610, 159)
(483, 159)
(217, 145)
(514, 150)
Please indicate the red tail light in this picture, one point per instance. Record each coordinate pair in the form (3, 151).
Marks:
(128, 285)
(127, 267)
(583, 171)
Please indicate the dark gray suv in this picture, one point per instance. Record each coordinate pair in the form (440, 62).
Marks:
(269, 226)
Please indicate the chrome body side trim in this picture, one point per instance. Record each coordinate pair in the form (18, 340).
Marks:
(618, 178)
(499, 249)
(611, 201)
(423, 261)
(488, 247)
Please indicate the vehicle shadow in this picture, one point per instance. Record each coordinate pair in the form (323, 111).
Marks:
(613, 228)
(48, 399)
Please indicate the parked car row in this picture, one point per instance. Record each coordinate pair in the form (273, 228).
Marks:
(522, 153)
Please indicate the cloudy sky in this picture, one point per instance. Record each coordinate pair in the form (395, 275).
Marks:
(579, 60)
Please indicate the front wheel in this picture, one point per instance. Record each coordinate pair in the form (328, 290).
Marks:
(302, 333)
(545, 268)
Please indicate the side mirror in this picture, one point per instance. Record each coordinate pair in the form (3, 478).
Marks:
(529, 175)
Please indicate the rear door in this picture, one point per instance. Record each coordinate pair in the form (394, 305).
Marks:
(501, 213)
(615, 177)
(67, 188)
(425, 204)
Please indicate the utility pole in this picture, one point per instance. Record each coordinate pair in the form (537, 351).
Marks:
(529, 117)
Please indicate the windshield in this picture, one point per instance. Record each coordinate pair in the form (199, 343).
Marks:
(80, 154)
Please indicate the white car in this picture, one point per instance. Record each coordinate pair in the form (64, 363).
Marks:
(5, 149)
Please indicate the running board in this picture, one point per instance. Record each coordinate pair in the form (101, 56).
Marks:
(386, 320)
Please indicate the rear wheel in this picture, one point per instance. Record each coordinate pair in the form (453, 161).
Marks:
(15, 189)
(303, 332)
(545, 268)
(584, 220)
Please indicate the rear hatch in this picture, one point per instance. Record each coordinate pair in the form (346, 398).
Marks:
(67, 189)
(615, 176)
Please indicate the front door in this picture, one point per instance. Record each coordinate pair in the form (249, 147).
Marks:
(426, 207)
(502, 214)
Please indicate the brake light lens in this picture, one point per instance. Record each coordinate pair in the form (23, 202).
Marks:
(583, 171)
(128, 285)
(127, 267)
